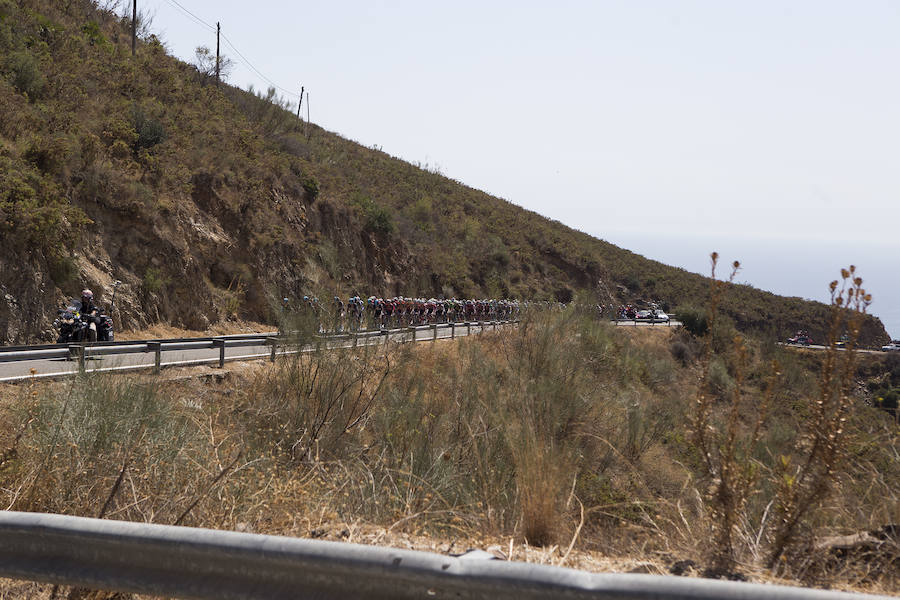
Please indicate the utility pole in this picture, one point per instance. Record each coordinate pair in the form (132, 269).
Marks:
(133, 25)
(218, 32)
(300, 104)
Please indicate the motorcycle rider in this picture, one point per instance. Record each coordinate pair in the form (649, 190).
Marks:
(88, 309)
(90, 314)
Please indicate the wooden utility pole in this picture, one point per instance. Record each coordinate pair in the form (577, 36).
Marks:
(300, 104)
(133, 25)
(218, 32)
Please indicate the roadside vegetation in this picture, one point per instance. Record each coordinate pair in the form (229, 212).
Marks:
(565, 434)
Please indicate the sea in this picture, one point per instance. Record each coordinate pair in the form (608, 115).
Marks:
(788, 267)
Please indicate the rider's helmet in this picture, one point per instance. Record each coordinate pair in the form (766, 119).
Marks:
(87, 295)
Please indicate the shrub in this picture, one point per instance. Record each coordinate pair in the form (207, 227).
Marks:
(26, 74)
(311, 186)
(48, 153)
(720, 382)
(154, 280)
(377, 219)
(682, 352)
(82, 435)
(150, 131)
(311, 405)
(694, 320)
(93, 35)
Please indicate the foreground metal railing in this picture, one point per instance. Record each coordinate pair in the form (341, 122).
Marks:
(185, 562)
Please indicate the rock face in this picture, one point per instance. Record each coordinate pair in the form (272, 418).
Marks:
(198, 266)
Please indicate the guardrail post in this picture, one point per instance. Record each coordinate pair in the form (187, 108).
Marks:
(220, 344)
(468, 328)
(495, 325)
(413, 329)
(156, 349)
(452, 330)
(482, 326)
(434, 333)
(355, 339)
(79, 354)
(274, 343)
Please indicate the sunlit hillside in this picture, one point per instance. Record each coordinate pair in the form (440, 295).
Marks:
(210, 202)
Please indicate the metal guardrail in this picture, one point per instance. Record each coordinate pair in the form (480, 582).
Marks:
(45, 351)
(16, 353)
(83, 352)
(235, 336)
(667, 322)
(186, 562)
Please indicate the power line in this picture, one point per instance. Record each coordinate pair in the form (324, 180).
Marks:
(191, 15)
(257, 71)
(245, 60)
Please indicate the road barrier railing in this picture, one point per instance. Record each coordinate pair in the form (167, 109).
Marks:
(273, 342)
(671, 321)
(43, 351)
(184, 562)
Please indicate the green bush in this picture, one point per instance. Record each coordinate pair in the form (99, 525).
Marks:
(311, 186)
(150, 131)
(720, 382)
(377, 219)
(154, 280)
(26, 74)
(694, 320)
(93, 34)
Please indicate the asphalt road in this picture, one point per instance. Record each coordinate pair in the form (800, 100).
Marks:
(820, 347)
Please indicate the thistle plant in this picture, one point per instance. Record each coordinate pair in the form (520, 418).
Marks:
(803, 486)
(725, 451)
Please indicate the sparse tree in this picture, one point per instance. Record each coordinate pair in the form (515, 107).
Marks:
(205, 63)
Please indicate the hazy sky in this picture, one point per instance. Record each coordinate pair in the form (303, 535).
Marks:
(764, 120)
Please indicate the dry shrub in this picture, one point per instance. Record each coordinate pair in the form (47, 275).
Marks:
(489, 433)
(540, 481)
(767, 484)
(312, 404)
(93, 438)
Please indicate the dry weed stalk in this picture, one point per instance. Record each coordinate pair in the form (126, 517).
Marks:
(727, 448)
(726, 452)
(802, 489)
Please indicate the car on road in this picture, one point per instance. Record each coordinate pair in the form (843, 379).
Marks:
(801, 339)
(643, 315)
(660, 317)
(894, 346)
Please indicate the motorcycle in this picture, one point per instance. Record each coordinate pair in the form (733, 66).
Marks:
(76, 327)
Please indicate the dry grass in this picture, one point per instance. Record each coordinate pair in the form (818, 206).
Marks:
(563, 442)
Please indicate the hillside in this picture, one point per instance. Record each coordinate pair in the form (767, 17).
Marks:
(212, 202)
